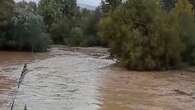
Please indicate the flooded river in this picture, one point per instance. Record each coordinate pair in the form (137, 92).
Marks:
(85, 79)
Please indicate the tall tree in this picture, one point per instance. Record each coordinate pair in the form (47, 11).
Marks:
(184, 13)
(52, 10)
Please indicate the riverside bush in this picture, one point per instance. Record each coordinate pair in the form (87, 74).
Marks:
(26, 33)
(142, 36)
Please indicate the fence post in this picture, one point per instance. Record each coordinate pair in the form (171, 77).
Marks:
(24, 71)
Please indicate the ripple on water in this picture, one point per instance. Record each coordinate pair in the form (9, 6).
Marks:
(62, 83)
(74, 81)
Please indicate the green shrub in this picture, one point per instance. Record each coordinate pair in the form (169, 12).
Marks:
(76, 37)
(184, 13)
(26, 33)
(80, 30)
(89, 24)
(6, 12)
(60, 31)
(142, 36)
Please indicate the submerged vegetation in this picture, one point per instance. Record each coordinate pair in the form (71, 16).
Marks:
(142, 34)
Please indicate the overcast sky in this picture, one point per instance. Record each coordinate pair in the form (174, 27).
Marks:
(88, 2)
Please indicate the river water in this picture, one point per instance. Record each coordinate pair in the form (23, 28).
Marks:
(85, 79)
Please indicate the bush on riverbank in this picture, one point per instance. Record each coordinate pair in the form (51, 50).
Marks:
(26, 32)
(184, 13)
(142, 36)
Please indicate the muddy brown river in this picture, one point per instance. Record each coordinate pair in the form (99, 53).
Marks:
(85, 79)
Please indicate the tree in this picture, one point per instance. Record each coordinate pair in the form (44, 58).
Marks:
(184, 13)
(110, 4)
(26, 31)
(53, 10)
(89, 24)
(60, 31)
(142, 36)
(6, 12)
(192, 2)
(168, 5)
(23, 6)
(59, 17)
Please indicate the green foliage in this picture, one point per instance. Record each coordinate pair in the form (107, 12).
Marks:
(192, 2)
(168, 5)
(89, 24)
(27, 32)
(26, 7)
(61, 31)
(63, 20)
(142, 36)
(76, 37)
(108, 5)
(184, 13)
(6, 12)
(55, 10)
(79, 30)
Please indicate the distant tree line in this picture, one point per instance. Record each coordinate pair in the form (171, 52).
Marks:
(69, 24)
(32, 27)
